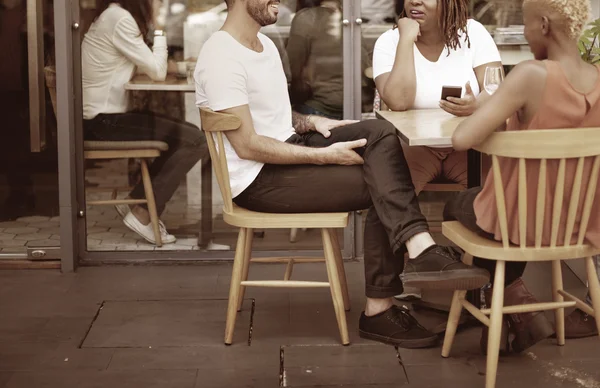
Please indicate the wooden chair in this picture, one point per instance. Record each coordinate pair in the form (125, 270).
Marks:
(142, 150)
(559, 145)
(214, 124)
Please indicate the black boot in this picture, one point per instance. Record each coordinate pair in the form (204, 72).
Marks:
(528, 328)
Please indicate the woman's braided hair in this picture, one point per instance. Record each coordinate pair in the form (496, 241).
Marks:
(452, 22)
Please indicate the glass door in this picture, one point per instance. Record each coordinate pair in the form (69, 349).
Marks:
(193, 212)
(29, 206)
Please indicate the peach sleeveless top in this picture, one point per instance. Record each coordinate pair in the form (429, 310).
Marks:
(561, 107)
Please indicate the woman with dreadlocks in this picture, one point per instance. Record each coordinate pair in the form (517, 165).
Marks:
(433, 45)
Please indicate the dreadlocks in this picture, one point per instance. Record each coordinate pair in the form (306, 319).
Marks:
(453, 20)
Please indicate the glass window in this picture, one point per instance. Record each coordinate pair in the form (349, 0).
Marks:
(29, 165)
(187, 194)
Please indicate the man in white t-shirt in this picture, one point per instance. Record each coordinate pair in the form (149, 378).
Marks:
(283, 162)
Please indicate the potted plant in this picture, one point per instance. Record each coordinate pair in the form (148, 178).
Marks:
(589, 43)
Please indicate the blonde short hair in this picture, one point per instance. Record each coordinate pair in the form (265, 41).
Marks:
(574, 13)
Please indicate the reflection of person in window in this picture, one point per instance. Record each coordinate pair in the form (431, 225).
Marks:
(315, 55)
(111, 50)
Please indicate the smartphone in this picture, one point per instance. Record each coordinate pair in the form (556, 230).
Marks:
(451, 91)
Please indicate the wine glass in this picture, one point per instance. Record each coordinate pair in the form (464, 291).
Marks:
(493, 78)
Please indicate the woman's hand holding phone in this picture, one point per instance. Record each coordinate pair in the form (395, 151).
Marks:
(461, 106)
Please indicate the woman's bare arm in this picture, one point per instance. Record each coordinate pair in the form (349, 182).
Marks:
(518, 90)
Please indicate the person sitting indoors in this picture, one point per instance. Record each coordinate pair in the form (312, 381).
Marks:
(556, 90)
(284, 162)
(315, 53)
(110, 52)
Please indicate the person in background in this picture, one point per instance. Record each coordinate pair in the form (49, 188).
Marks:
(378, 11)
(556, 90)
(435, 44)
(315, 54)
(111, 51)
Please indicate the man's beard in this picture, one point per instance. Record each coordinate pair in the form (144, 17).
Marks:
(260, 13)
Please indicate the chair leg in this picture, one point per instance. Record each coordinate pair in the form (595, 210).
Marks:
(335, 286)
(559, 314)
(339, 261)
(234, 288)
(454, 316)
(453, 319)
(293, 235)
(149, 191)
(594, 288)
(246, 268)
(495, 331)
(289, 269)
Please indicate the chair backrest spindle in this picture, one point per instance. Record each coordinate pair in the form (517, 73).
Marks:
(589, 200)
(522, 203)
(540, 210)
(500, 201)
(559, 194)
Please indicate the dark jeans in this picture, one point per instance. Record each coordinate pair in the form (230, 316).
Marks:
(460, 208)
(383, 184)
(187, 145)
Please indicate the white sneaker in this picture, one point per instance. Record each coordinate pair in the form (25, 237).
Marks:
(146, 231)
(122, 209)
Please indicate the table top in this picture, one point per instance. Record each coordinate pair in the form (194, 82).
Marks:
(427, 127)
(171, 84)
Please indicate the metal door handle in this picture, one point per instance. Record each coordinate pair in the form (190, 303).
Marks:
(358, 21)
(346, 22)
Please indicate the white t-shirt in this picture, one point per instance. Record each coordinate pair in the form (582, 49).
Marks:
(110, 51)
(229, 74)
(449, 70)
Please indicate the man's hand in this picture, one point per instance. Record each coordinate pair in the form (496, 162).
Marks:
(323, 125)
(343, 153)
(465, 106)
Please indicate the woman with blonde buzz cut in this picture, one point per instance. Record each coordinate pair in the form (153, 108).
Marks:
(556, 90)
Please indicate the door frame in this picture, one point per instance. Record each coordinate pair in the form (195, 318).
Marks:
(70, 148)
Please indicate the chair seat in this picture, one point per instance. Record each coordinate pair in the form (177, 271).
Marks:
(244, 218)
(125, 145)
(480, 246)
